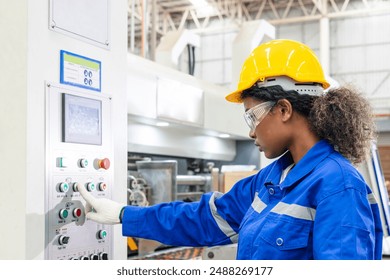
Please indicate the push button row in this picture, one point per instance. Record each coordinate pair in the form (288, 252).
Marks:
(64, 239)
(63, 187)
(64, 213)
(104, 163)
(100, 256)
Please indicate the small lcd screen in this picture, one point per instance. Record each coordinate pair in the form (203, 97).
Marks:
(81, 120)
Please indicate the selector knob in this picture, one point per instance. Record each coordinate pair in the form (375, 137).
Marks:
(94, 257)
(83, 163)
(63, 239)
(102, 234)
(63, 187)
(63, 214)
(90, 186)
(102, 186)
(103, 256)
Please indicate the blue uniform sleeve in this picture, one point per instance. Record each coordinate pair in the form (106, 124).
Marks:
(347, 232)
(214, 220)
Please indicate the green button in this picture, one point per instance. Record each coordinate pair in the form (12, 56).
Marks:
(64, 213)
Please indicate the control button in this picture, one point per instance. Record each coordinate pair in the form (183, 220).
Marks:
(104, 163)
(77, 212)
(63, 187)
(62, 162)
(84, 258)
(102, 186)
(102, 234)
(75, 186)
(63, 213)
(83, 163)
(90, 186)
(63, 240)
(103, 256)
(94, 257)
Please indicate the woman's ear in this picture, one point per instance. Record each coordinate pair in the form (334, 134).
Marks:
(285, 108)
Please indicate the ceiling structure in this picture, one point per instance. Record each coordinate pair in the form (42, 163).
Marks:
(151, 19)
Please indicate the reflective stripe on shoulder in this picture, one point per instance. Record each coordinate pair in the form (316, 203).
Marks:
(372, 199)
(295, 210)
(222, 224)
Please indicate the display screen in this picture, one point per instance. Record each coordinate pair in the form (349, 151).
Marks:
(81, 120)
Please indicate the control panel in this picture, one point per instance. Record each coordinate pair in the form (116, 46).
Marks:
(78, 155)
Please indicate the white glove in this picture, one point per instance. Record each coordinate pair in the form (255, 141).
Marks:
(101, 210)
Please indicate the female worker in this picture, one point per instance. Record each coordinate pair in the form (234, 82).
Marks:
(310, 203)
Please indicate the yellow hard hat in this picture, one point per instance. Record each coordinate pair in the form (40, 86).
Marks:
(279, 58)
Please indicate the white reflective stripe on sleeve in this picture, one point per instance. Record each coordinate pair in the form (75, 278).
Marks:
(295, 210)
(257, 204)
(222, 224)
(372, 199)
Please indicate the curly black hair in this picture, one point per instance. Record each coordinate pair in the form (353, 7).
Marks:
(342, 116)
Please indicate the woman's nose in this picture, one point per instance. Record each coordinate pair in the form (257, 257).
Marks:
(252, 134)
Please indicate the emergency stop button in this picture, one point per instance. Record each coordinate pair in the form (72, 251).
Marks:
(103, 163)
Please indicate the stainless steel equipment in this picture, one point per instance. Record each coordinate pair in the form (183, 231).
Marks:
(155, 182)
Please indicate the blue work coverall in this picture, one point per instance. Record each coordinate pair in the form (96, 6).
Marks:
(322, 210)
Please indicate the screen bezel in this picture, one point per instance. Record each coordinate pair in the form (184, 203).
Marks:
(79, 138)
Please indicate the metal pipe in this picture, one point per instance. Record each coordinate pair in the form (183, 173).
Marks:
(191, 180)
(153, 34)
(132, 27)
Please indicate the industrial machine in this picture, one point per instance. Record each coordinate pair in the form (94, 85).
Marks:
(78, 154)
(156, 181)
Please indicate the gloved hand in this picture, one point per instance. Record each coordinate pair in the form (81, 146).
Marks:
(101, 210)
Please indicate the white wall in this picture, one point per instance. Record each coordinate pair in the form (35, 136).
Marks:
(31, 55)
(13, 105)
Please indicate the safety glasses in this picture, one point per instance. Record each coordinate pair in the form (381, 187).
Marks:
(256, 114)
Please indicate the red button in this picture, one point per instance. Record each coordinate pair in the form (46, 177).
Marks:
(104, 163)
(77, 212)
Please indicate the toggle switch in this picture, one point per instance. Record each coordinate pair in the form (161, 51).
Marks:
(63, 239)
(62, 162)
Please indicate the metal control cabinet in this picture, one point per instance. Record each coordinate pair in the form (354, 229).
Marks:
(78, 154)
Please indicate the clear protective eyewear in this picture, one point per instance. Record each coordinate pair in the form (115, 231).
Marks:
(256, 114)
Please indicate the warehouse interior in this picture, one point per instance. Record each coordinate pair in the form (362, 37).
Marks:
(161, 70)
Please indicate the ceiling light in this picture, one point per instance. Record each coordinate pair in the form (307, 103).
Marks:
(162, 124)
(224, 135)
(203, 8)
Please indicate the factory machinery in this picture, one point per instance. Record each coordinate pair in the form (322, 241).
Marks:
(151, 182)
